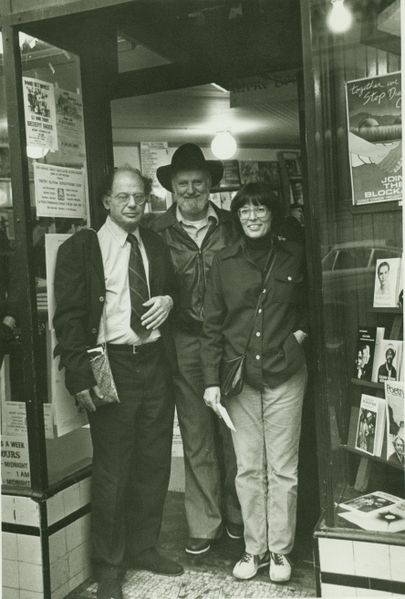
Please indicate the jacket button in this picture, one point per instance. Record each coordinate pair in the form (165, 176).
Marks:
(101, 298)
(264, 290)
(258, 333)
(260, 311)
(257, 357)
(94, 331)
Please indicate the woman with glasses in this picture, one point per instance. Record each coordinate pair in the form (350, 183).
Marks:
(267, 412)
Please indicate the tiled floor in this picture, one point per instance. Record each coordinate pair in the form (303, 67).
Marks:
(209, 577)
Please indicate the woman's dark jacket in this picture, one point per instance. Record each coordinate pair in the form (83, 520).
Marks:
(235, 283)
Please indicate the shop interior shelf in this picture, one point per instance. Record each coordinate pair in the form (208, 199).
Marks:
(374, 458)
(372, 385)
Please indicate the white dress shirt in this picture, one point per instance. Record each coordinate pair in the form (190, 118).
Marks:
(115, 250)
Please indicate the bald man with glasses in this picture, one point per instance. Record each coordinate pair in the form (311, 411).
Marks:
(115, 287)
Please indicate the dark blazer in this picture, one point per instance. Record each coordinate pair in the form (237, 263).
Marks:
(80, 295)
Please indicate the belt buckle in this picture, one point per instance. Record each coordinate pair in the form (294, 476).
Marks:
(135, 349)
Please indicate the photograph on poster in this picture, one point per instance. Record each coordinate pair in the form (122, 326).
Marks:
(40, 113)
(374, 138)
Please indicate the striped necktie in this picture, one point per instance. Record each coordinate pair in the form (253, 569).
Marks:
(138, 287)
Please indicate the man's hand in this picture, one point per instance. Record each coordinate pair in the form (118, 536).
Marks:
(212, 399)
(159, 309)
(300, 336)
(89, 399)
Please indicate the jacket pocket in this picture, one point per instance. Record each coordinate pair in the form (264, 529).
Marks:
(287, 288)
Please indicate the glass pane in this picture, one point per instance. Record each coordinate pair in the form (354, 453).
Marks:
(360, 229)
(53, 113)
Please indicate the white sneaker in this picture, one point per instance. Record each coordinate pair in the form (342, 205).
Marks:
(280, 567)
(249, 564)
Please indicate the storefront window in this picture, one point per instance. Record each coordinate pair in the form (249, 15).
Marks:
(55, 147)
(358, 84)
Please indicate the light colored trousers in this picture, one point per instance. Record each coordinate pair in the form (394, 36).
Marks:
(268, 428)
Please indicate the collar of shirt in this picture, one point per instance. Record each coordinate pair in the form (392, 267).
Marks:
(119, 234)
(210, 214)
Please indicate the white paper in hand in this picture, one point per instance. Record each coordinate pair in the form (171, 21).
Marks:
(226, 418)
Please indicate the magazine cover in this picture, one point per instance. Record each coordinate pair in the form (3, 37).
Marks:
(387, 283)
(364, 357)
(387, 361)
(370, 425)
(388, 519)
(370, 502)
(395, 404)
(374, 136)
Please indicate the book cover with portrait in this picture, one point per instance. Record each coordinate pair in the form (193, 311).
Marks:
(387, 364)
(365, 349)
(395, 422)
(370, 425)
(387, 283)
(386, 519)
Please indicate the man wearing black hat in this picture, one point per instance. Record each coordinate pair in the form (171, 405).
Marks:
(194, 229)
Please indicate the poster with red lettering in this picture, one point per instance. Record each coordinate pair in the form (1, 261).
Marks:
(374, 138)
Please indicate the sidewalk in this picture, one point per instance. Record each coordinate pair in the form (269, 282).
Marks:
(209, 577)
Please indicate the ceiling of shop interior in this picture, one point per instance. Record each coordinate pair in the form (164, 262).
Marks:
(197, 113)
(210, 33)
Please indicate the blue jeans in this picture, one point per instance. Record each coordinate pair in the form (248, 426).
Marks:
(268, 428)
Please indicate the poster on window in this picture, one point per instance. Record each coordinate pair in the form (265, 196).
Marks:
(40, 114)
(153, 155)
(67, 416)
(374, 137)
(15, 464)
(69, 124)
(59, 191)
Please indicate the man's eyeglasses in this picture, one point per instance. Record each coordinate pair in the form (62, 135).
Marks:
(139, 198)
(261, 212)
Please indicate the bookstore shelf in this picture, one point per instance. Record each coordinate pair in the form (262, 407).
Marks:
(374, 458)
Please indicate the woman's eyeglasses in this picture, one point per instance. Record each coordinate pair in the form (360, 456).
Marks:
(260, 212)
(139, 198)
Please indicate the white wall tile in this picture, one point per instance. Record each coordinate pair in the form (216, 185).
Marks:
(61, 592)
(75, 560)
(74, 534)
(85, 491)
(29, 549)
(335, 590)
(30, 576)
(59, 572)
(26, 511)
(336, 555)
(55, 508)
(71, 499)
(372, 560)
(24, 594)
(10, 574)
(372, 593)
(77, 581)
(8, 593)
(57, 545)
(9, 545)
(7, 508)
(397, 562)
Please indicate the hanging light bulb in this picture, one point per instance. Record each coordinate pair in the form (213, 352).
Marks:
(339, 18)
(224, 145)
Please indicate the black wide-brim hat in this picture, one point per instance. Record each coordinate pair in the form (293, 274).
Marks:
(189, 157)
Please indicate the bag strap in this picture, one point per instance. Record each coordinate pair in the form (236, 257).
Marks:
(269, 267)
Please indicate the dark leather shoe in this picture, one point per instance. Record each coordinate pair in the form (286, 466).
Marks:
(198, 547)
(109, 589)
(154, 562)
